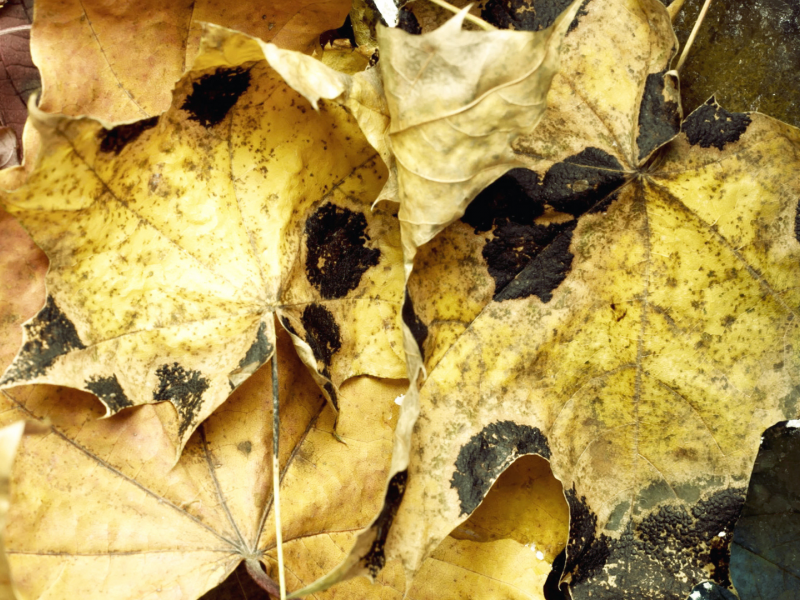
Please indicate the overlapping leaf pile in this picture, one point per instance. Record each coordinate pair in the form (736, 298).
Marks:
(622, 303)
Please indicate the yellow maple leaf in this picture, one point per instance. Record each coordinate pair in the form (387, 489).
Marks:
(174, 240)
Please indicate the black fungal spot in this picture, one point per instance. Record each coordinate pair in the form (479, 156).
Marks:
(582, 12)
(662, 557)
(336, 255)
(110, 392)
(712, 125)
(50, 335)
(487, 454)
(245, 447)
(587, 552)
(797, 221)
(331, 391)
(184, 389)
(408, 22)
(523, 15)
(580, 181)
(114, 140)
(506, 201)
(538, 254)
(553, 589)
(258, 353)
(214, 95)
(322, 334)
(288, 326)
(659, 119)
(544, 273)
(418, 329)
(375, 559)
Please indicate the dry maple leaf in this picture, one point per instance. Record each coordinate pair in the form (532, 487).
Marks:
(100, 510)
(174, 240)
(630, 317)
(123, 58)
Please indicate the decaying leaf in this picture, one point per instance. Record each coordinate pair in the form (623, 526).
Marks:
(173, 241)
(123, 58)
(99, 511)
(627, 312)
(642, 349)
(457, 100)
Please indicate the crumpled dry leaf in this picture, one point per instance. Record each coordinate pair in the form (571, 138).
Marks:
(457, 100)
(99, 511)
(174, 240)
(119, 61)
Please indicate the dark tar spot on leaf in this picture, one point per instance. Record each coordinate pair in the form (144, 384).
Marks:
(712, 125)
(287, 325)
(659, 118)
(418, 329)
(487, 454)
(582, 12)
(214, 95)
(662, 557)
(50, 335)
(245, 447)
(542, 275)
(505, 201)
(260, 351)
(526, 258)
(552, 586)
(116, 139)
(523, 15)
(408, 22)
(322, 334)
(797, 221)
(586, 552)
(110, 392)
(336, 254)
(580, 181)
(375, 559)
(184, 389)
(331, 391)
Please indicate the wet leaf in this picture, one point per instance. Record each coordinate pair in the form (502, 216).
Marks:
(119, 61)
(626, 309)
(174, 240)
(765, 554)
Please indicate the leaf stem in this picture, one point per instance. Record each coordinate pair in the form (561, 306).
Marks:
(471, 18)
(692, 35)
(276, 472)
(674, 8)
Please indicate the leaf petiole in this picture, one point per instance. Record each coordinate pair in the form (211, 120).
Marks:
(276, 479)
(693, 34)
